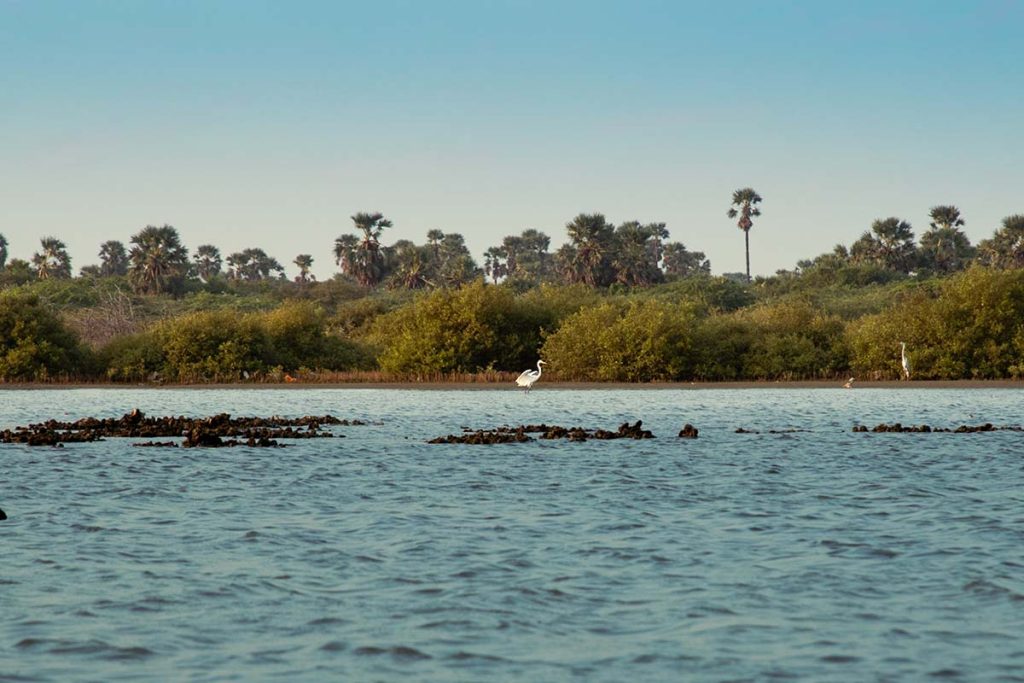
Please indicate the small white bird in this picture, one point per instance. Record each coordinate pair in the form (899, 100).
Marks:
(528, 377)
(849, 383)
(904, 360)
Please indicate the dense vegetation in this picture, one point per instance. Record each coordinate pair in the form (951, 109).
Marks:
(615, 303)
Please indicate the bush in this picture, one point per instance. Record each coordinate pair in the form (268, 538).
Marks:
(794, 341)
(970, 327)
(473, 328)
(34, 343)
(641, 341)
(298, 339)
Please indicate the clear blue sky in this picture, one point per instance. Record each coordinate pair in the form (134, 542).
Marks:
(268, 124)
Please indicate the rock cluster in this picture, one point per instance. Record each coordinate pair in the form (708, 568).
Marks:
(522, 433)
(218, 430)
(962, 429)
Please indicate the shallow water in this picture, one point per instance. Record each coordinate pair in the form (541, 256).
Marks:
(819, 555)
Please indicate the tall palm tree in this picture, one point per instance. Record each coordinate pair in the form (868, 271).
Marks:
(3, 251)
(159, 261)
(945, 248)
(369, 261)
(744, 205)
(113, 259)
(345, 253)
(305, 263)
(591, 236)
(207, 262)
(52, 261)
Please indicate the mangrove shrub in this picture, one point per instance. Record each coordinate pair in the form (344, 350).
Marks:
(639, 341)
(34, 343)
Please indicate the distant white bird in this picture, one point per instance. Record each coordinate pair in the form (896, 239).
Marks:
(849, 383)
(904, 360)
(529, 376)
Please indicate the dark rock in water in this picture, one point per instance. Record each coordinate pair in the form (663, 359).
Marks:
(259, 431)
(688, 431)
(548, 432)
(486, 437)
(634, 431)
(741, 430)
(3, 515)
(925, 429)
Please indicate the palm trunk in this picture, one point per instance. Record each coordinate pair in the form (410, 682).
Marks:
(746, 239)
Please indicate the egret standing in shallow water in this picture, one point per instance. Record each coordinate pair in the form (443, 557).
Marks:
(529, 377)
(904, 360)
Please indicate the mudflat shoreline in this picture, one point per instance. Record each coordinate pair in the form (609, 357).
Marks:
(544, 386)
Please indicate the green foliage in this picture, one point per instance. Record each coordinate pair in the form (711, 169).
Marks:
(297, 336)
(223, 346)
(794, 341)
(641, 341)
(969, 327)
(713, 294)
(476, 327)
(34, 343)
(132, 358)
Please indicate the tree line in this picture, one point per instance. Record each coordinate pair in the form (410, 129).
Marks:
(597, 253)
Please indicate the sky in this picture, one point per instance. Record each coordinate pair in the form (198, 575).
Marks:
(268, 124)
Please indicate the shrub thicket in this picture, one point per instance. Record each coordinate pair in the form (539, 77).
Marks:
(639, 341)
(473, 328)
(34, 343)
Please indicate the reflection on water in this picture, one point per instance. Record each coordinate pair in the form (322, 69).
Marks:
(819, 554)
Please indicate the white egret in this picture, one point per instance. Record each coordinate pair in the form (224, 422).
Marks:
(528, 377)
(904, 360)
(849, 383)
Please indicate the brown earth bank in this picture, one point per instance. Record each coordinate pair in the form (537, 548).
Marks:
(543, 386)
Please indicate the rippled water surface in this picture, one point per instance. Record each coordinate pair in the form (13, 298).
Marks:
(818, 555)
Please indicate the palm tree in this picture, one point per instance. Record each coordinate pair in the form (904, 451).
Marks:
(207, 262)
(410, 271)
(113, 259)
(744, 205)
(253, 265)
(945, 248)
(632, 255)
(1005, 249)
(159, 261)
(3, 251)
(345, 253)
(369, 262)
(53, 260)
(896, 248)
(304, 262)
(591, 236)
(434, 238)
(457, 266)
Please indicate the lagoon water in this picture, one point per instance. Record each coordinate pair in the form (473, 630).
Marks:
(816, 555)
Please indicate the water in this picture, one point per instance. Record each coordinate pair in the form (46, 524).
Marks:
(821, 555)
